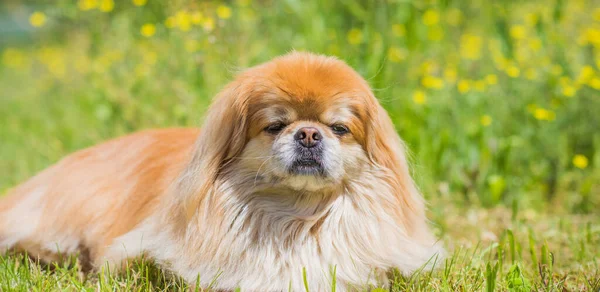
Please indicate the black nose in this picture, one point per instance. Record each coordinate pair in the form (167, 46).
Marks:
(308, 137)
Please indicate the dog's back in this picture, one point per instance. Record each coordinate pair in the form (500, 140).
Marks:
(84, 201)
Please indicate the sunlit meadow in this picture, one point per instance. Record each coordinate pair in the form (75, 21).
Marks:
(499, 102)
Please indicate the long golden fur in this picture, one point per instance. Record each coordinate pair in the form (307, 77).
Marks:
(242, 201)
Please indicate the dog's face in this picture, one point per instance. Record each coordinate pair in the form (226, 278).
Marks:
(307, 142)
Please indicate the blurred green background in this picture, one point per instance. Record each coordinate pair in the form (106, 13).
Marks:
(499, 101)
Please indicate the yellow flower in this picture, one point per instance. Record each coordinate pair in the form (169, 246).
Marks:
(37, 19)
(223, 12)
(463, 86)
(470, 46)
(58, 68)
(485, 120)
(54, 60)
(450, 74)
(535, 44)
(580, 161)
(183, 20)
(13, 58)
(556, 70)
(569, 90)
(431, 17)
(491, 79)
(428, 67)
(139, 2)
(148, 30)
(518, 32)
(592, 35)
(435, 33)
(208, 24)
(170, 22)
(87, 4)
(454, 17)
(396, 54)
(531, 74)
(419, 97)
(355, 36)
(513, 71)
(594, 83)
(398, 30)
(586, 73)
(197, 18)
(544, 114)
(432, 82)
(107, 5)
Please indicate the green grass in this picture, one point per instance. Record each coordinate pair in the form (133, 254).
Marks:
(489, 250)
(497, 101)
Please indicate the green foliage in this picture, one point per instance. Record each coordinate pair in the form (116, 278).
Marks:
(304, 279)
(491, 272)
(495, 100)
(464, 269)
(516, 281)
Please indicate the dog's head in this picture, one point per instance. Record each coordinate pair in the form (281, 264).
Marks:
(301, 121)
(306, 122)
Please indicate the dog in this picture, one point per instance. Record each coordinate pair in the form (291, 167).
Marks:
(298, 174)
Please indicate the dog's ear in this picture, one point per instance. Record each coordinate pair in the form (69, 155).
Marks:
(222, 137)
(387, 153)
(223, 133)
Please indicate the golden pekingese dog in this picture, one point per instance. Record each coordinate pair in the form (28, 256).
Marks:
(297, 171)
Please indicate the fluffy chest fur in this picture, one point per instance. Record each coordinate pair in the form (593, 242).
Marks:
(272, 238)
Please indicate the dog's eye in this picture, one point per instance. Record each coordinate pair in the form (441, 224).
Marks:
(339, 129)
(275, 128)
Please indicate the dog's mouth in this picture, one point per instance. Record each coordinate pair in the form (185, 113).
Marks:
(308, 162)
(307, 166)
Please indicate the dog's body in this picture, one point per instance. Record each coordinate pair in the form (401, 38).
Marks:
(237, 204)
(94, 191)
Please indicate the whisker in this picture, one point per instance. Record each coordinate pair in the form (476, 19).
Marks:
(258, 171)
